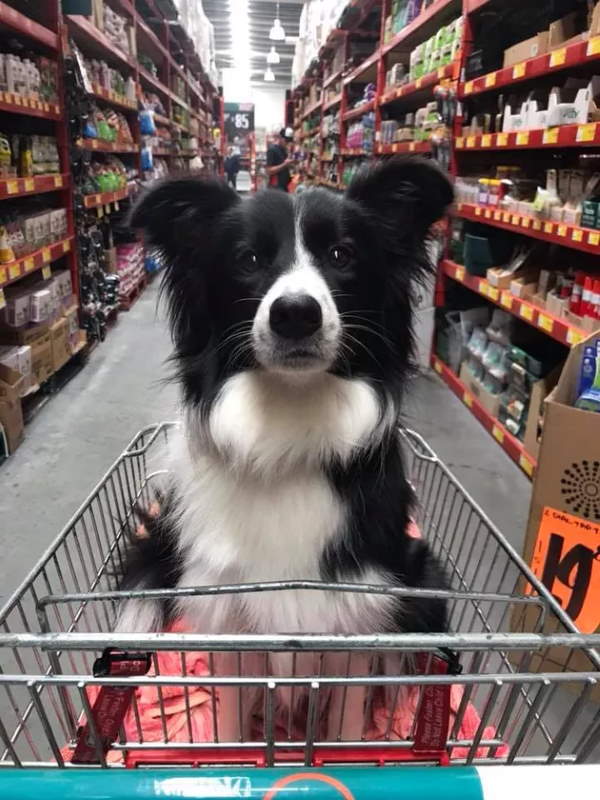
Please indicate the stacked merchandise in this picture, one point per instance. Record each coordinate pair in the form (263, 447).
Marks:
(361, 135)
(317, 20)
(130, 269)
(438, 51)
(25, 156)
(104, 77)
(108, 125)
(107, 175)
(201, 32)
(34, 78)
(116, 27)
(29, 225)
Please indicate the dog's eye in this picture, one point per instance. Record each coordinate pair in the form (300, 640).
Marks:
(248, 261)
(340, 256)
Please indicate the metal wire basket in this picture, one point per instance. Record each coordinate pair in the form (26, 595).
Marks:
(527, 686)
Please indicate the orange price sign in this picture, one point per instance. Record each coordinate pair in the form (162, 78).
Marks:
(565, 559)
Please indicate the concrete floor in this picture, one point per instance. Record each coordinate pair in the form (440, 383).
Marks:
(75, 438)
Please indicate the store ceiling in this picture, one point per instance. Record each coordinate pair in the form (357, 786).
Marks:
(261, 14)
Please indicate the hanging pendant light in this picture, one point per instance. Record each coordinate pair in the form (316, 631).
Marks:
(273, 56)
(277, 32)
(269, 75)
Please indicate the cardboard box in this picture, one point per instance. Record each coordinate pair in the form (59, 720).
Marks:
(11, 415)
(523, 288)
(41, 358)
(59, 337)
(539, 392)
(491, 402)
(562, 30)
(529, 48)
(563, 530)
(25, 335)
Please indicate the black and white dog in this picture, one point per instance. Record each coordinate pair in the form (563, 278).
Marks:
(291, 319)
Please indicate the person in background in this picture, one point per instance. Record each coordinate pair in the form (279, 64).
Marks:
(232, 167)
(278, 162)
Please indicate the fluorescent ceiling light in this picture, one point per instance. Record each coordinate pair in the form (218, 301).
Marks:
(277, 33)
(240, 33)
(273, 56)
(269, 75)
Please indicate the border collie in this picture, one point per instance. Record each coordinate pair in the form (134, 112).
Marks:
(291, 320)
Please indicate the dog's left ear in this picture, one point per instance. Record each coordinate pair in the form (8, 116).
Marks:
(406, 195)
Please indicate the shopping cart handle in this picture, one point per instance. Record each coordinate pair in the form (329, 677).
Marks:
(350, 783)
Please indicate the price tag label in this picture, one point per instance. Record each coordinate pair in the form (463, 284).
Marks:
(107, 208)
(493, 293)
(46, 256)
(460, 142)
(469, 87)
(2, 275)
(502, 139)
(550, 136)
(522, 138)
(441, 72)
(525, 222)
(519, 71)
(515, 219)
(488, 213)
(486, 140)
(490, 80)
(506, 299)
(483, 287)
(593, 48)
(418, 83)
(29, 184)
(94, 144)
(14, 271)
(562, 230)
(468, 400)
(58, 181)
(506, 216)
(100, 212)
(47, 272)
(526, 312)
(460, 274)
(437, 366)
(526, 465)
(12, 187)
(577, 235)
(586, 133)
(545, 323)
(498, 434)
(412, 147)
(497, 216)
(537, 225)
(548, 227)
(478, 211)
(17, 99)
(471, 141)
(558, 57)
(574, 337)
(2, 299)
(66, 246)
(594, 239)
(28, 264)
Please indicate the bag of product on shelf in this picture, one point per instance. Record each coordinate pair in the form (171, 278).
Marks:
(563, 533)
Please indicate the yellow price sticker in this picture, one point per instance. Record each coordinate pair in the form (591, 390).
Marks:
(66, 246)
(537, 225)
(2, 299)
(574, 337)
(437, 366)
(117, 206)
(501, 139)
(460, 142)
(28, 264)
(593, 48)
(471, 141)
(506, 216)
(548, 227)
(14, 271)
(47, 272)
(525, 222)
(526, 312)
(467, 400)
(515, 219)
(12, 187)
(497, 216)
(29, 184)
(488, 213)
(486, 140)
(94, 144)
(490, 80)
(412, 146)
(498, 434)
(526, 465)
(46, 255)
(558, 57)
(418, 83)
(594, 239)
(506, 299)
(483, 287)
(58, 181)
(522, 138)
(460, 274)
(586, 133)
(468, 87)
(2, 275)
(17, 99)
(550, 136)
(478, 211)
(519, 71)
(562, 230)
(545, 323)
(493, 293)
(107, 208)
(100, 212)
(577, 235)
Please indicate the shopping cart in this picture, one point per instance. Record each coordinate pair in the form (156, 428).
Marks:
(72, 719)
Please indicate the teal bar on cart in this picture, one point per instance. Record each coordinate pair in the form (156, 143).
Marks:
(351, 783)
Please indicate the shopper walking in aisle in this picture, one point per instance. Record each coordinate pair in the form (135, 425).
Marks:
(278, 162)
(232, 166)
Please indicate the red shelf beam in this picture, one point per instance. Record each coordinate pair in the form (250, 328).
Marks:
(104, 198)
(20, 187)
(362, 68)
(358, 112)
(402, 147)
(311, 110)
(567, 57)
(353, 151)
(20, 104)
(427, 81)
(333, 102)
(19, 23)
(15, 270)
(108, 147)
(571, 236)
(113, 98)
(509, 443)
(539, 318)
(332, 78)
(587, 135)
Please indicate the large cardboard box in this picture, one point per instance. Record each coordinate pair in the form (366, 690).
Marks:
(539, 392)
(11, 416)
(491, 402)
(41, 358)
(562, 30)
(529, 48)
(59, 337)
(24, 335)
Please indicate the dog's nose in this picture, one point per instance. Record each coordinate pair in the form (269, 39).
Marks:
(295, 316)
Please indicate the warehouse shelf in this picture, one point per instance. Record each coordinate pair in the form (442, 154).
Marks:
(364, 108)
(353, 151)
(332, 78)
(556, 327)
(39, 184)
(15, 270)
(311, 110)
(365, 66)
(333, 102)
(105, 198)
(115, 99)
(587, 135)
(21, 24)
(426, 82)
(28, 106)
(108, 147)
(422, 26)
(509, 443)
(94, 40)
(402, 147)
(573, 236)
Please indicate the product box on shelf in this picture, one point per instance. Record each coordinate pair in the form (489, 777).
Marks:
(41, 358)
(533, 429)
(529, 48)
(490, 401)
(563, 530)
(11, 415)
(59, 337)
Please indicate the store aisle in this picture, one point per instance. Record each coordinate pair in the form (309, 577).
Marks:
(79, 433)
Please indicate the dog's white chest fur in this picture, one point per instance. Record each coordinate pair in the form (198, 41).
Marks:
(255, 504)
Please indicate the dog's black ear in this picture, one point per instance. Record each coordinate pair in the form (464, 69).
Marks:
(178, 214)
(404, 194)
